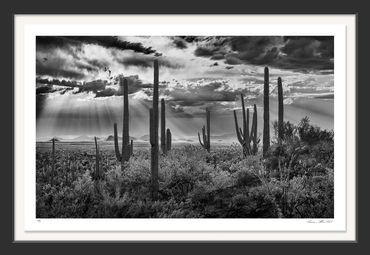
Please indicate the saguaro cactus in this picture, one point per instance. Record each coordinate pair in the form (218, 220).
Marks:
(153, 118)
(266, 114)
(163, 127)
(169, 139)
(165, 142)
(254, 130)
(126, 146)
(206, 136)
(97, 168)
(131, 147)
(281, 110)
(244, 137)
(52, 163)
(125, 132)
(116, 145)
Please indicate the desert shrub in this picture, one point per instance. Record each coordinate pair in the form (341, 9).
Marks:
(192, 182)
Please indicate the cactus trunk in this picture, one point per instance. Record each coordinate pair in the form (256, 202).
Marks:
(254, 130)
(131, 147)
(266, 114)
(97, 169)
(169, 139)
(116, 145)
(163, 127)
(281, 110)
(52, 164)
(154, 134)
(125, 133)
(206, 133)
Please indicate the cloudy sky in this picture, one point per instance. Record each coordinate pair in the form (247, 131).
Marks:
(78, 92)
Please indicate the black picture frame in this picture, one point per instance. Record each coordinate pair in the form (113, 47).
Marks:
(237, 7)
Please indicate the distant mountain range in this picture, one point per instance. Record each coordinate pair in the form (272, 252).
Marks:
(111, 138)
(146, 137)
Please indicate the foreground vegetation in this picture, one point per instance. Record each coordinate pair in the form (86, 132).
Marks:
(295, 180)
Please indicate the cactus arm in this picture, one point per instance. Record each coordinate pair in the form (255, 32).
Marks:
(200, 141)
(255, 142)
(241, 132)
(240, 138)
(116, 145)
(244, 134)
(246, 130)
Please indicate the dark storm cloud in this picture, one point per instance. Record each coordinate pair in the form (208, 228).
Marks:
(146, 61)
(214, 52)
(191, 39)
(298, 52)
(177, 110)
(93, 86)
(61, 82)
(179, 42)
(101, 88)
(198, 95)
(64, 56)
(44, 90)
(214, 47)
(56, 68)
(49, 42)
(134, 85)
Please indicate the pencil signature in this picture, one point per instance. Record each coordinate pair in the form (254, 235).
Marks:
(320, 221)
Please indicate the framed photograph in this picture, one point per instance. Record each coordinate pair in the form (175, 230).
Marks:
(185, 128)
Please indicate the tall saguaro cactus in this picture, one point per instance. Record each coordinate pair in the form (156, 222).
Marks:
(206, 136)
(126, 146)
(244, 137)
(97, 167)
(266, 114)
(281, 110)
(125, 132)
(153, 118)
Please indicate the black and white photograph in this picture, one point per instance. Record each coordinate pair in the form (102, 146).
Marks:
(184, 126)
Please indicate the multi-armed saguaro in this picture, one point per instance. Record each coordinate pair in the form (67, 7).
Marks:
(281, 111)
(266, 114)
(165, 135)
(206, 136)
(126, 146)
(153, 119)
(244, 137)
